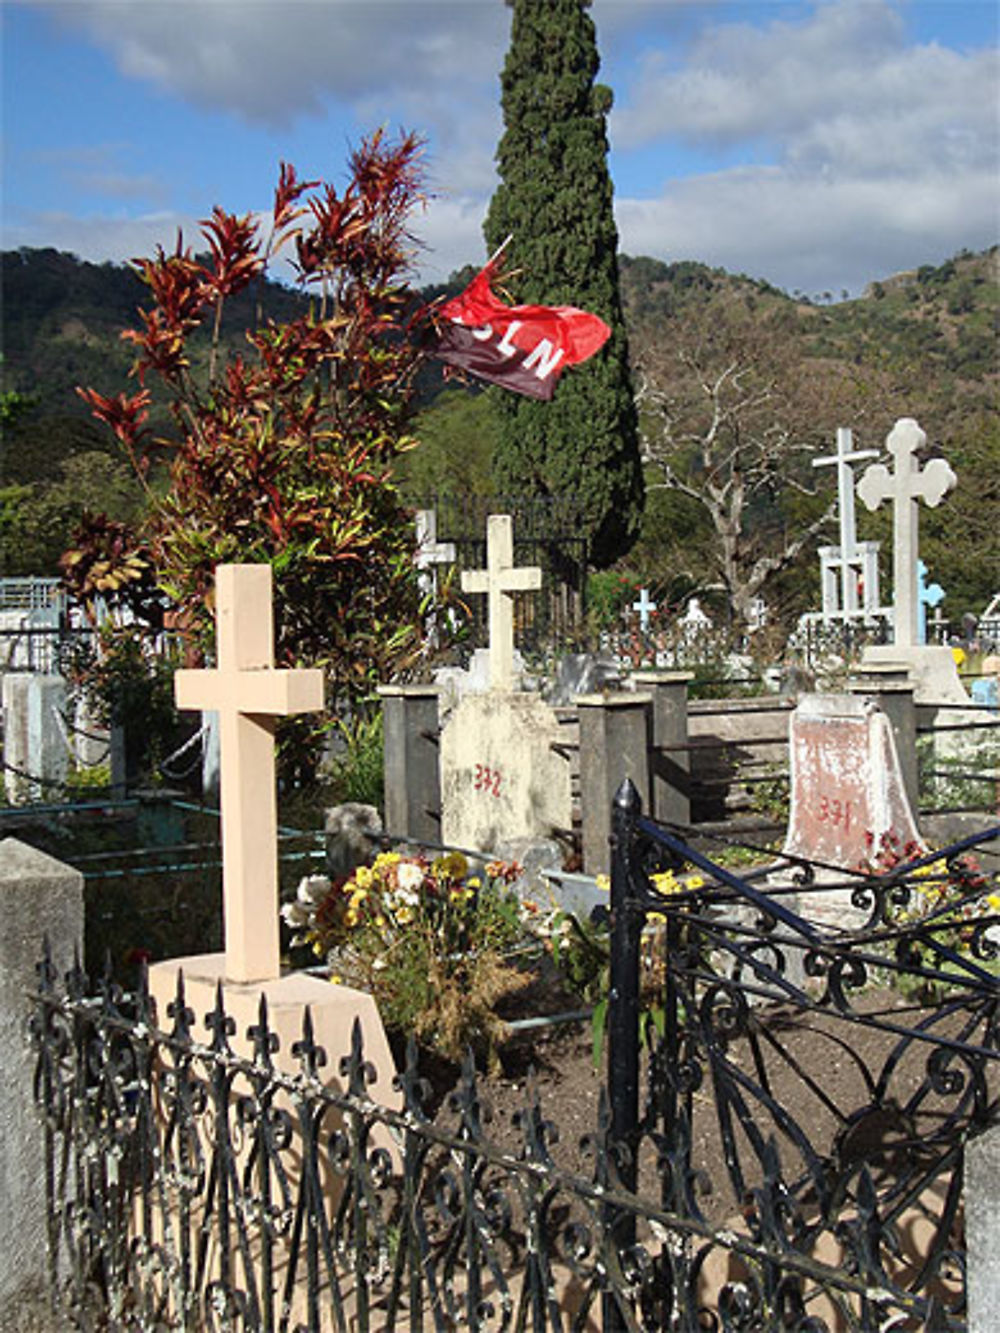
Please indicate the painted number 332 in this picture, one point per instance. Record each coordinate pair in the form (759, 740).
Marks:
(487, 779)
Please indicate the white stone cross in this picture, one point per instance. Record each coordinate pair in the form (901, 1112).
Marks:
(844, 558)
(906, 486)
(938, 623)
(430, 551)
(248, 693)
(499, 580)
(645, 607)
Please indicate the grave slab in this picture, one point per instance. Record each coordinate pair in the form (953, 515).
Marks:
(847, 783)
(500, 777)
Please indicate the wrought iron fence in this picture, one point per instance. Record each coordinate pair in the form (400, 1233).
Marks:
(816, 1057)
(781, 1148)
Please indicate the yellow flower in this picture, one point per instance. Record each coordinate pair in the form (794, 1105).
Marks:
(474, 882)
(665, 882)
(993, 900)
(604, 882)
(350, 918)
(336, 979)
(364, 877)
(380, 922)
(385, 861)
(695, 882)
(452, 865)
(404, 914)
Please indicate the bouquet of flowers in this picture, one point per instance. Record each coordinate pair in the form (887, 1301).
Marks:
(428, 939)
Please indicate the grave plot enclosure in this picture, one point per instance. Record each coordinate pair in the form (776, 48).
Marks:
(792, 1109)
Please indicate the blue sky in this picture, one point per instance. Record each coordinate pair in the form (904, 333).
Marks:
(819, 145)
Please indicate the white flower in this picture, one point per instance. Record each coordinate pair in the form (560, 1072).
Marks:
(313, 889)
(409, 876)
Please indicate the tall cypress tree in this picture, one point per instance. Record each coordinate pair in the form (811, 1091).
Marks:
(555, 199)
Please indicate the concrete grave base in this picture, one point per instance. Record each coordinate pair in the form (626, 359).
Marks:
(333, 1009)
(931, 670)
(500, 777)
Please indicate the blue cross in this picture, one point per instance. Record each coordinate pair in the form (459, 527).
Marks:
(928, 595)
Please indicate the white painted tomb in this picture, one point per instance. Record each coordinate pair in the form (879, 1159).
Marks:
(501, 778)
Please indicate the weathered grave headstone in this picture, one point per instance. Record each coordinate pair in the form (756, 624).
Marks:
(35, 753)
(847, 786)
(41, 905)
(249, 693)
(501, 777)
(430, 552)
(499, 581)
(932, 669)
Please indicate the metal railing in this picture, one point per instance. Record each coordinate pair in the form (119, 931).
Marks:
(817, 1184)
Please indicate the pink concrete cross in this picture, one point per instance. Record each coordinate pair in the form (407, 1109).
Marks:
(498, 580)
(248, 693)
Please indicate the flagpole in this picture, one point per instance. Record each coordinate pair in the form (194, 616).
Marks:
(499, 250)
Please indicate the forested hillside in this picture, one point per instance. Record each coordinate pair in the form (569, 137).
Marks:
(920, 344)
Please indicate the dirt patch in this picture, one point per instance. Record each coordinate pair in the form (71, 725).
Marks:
(819, 1083)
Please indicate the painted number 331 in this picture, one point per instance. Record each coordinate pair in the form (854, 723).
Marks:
(487, 779)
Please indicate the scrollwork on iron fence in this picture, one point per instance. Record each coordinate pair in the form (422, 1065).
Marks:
(811, 1086)
(781, 1150)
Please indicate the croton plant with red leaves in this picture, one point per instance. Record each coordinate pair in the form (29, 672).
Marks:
(284, 452)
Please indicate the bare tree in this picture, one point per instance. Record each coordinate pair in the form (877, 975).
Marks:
(731, 418)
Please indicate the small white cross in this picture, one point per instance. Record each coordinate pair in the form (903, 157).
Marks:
(248, 693)
(645, 607)
(430, 551)
(498, 581)
(906, 485)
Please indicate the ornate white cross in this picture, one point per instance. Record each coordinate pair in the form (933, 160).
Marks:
(248, 693)
(645, 607)
(498, 581)
(906, 486)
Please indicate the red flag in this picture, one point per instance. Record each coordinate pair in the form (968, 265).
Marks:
(521, 347)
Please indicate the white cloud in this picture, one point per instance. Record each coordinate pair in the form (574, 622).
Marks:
(812, 233)
(273, 62)
(448, 234)
(839, 90)
(100, 239)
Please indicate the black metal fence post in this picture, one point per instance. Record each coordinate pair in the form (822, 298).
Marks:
(623, 1028)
